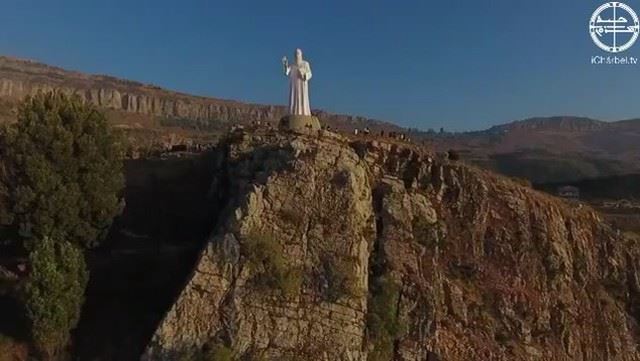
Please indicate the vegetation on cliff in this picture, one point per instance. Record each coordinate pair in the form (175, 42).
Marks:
(383, 325)
(267, 260)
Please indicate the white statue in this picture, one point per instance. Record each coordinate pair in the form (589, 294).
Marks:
(299, 74)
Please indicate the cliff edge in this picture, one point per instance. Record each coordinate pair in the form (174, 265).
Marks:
(327, 249)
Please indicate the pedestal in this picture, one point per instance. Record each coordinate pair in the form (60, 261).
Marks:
(300, 123)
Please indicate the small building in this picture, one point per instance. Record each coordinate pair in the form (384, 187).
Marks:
(569, 192)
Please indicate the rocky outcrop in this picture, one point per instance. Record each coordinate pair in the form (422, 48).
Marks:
(320, 218)
(398, 255)
(19, 78)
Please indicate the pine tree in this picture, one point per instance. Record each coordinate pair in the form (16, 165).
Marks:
(61, 173)
(54, 294)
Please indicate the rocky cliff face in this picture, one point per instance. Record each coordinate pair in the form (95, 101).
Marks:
(330, 250)
(19, 78)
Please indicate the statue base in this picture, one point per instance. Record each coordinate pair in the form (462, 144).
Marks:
(305, 124)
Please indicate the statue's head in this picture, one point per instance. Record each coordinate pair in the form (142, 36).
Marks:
(298, 55)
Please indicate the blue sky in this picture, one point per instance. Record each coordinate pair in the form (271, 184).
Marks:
(460, 65)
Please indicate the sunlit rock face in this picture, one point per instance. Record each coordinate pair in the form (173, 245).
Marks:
(485, 269)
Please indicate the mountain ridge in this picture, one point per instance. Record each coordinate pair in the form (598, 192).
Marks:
(19, 77)
(10, 65)
(567, 147)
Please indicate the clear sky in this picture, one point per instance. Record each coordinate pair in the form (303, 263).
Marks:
(457, 64)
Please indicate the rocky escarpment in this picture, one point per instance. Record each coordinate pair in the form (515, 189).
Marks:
(19, 78)
(330, 250)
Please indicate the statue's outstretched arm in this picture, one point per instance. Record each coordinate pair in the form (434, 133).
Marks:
(285, 66)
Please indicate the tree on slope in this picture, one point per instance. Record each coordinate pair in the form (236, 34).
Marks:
(62, 171)
(54, 294)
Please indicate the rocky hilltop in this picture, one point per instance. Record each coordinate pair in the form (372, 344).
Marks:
(19, 78)
(330, 249)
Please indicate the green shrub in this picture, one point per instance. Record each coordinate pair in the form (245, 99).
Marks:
(424, 232)
(341, 277)
(188, 356)
(218, 353)
(428, 234)
(54, 294)
(290, 282)
(383, 325)
(61, 171)
(266, 257)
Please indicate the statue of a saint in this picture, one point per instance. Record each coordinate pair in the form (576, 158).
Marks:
(299, 74)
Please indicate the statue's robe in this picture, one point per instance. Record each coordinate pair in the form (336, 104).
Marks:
(299, 75)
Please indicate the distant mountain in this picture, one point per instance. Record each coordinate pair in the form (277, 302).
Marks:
(627, 124)
(559, 135)
(564, 124)
(615, 187)
(551, 149)
(559, 124)
(541, 149)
